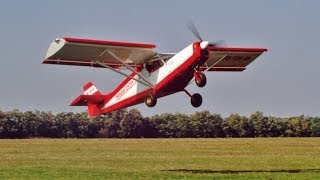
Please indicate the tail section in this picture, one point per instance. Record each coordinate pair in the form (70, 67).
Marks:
(92, 98)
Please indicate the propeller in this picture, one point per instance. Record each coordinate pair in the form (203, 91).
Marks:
(192, 27)
(203, 44)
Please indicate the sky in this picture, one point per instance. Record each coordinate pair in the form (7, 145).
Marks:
(282, 82)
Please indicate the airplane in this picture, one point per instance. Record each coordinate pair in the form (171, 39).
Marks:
(153, 74)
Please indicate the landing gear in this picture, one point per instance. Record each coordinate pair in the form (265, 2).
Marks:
(200, 79)
(196, 100)
(150, 101)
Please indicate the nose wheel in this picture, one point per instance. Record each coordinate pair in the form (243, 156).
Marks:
(150, 101)
(195, 99)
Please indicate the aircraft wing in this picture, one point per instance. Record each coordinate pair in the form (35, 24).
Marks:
(230, 59)
(226, 58)
(84, 52)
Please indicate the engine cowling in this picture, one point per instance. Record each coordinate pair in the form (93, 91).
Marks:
(204, 56)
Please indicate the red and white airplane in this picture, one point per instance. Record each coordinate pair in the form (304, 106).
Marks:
(153, 74)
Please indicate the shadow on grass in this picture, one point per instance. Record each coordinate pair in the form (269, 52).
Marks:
(208, 171)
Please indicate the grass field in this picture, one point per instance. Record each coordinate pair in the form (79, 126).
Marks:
(272, 158)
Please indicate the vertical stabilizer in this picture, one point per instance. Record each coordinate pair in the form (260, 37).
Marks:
(90, 90)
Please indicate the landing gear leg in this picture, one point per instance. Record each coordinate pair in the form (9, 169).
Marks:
(200, 79)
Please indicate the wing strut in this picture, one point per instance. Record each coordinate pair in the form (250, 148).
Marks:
(124, 74)
(117, 71)
(130, 68)
(214, 63)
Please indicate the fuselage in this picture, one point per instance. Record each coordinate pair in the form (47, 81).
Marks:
(172, 77)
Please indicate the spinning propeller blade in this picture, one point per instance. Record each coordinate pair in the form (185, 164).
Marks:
(192, 27)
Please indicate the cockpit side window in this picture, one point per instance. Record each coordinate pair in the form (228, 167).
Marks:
(153, 66)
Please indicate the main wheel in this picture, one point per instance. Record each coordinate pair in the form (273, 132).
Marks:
(201, 81)
(150, 101)
(196, 100)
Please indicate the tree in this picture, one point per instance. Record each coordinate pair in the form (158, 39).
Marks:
(261, 124)
(315, 127)
(277, 127)
(31, 124)
(46, 124)
(131, 125)
(238, 126)
(166, 125)
(110, 123)
(12, 125)
(299, 127)
(205, 124)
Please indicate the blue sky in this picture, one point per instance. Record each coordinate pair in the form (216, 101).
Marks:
(282, 82)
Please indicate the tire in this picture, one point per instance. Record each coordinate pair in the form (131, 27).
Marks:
(150, 101)
(196, 100)
(202, 80)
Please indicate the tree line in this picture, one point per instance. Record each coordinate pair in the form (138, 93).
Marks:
(131, 124)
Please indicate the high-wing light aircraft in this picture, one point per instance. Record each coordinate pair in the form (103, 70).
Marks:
(153, 74)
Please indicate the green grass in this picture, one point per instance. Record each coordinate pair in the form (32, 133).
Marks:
(272, 158)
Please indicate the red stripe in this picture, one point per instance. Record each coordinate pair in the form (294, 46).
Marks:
(87, 86)
(123, 83)
(123, 103)
(133, 100)
(111, 43)
(236, 49)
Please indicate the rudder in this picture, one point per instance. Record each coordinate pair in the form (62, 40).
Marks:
(90, 89)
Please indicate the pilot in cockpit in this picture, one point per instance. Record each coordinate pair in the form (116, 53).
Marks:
(153, 66)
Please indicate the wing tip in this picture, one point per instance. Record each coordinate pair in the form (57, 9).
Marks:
(54, 47)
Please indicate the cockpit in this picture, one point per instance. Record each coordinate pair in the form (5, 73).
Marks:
(158, 62)
(154, 65)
